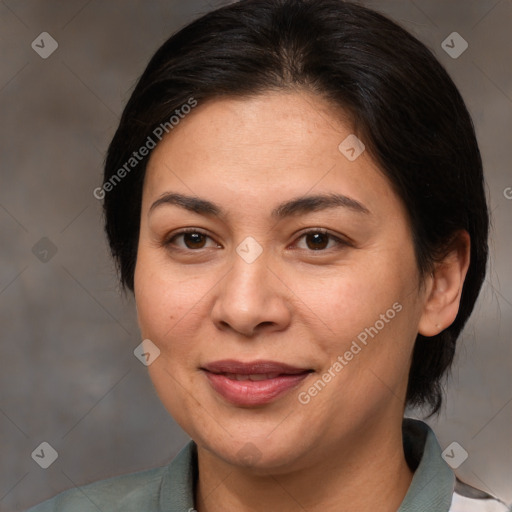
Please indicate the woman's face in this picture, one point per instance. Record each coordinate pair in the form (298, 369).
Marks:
(329, 288)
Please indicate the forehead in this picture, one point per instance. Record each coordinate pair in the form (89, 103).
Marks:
(263, 147)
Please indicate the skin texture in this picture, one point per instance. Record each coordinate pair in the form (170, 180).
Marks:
(199, 301)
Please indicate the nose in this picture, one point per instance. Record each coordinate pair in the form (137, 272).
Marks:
(251, 299)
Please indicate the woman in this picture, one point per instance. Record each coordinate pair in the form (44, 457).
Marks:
(299, 210)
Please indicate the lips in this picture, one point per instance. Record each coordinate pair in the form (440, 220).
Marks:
(253, 383)
(252, 377)
(253, 368)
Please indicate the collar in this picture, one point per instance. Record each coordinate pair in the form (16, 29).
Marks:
(433, 481)
(431, 487)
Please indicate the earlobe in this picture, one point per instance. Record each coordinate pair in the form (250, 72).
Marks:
(444, 292)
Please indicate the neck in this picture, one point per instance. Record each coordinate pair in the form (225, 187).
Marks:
(365, 473)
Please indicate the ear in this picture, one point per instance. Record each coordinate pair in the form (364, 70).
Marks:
(444, 288)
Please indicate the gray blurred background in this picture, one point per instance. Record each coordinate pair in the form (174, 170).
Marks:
(68, 375)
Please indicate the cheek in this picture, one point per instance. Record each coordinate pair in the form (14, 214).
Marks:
(355, 299)
(368, 318)
(165, 308)
(166, 300)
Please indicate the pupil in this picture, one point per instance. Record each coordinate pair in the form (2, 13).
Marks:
(318, 238)
(193, 239)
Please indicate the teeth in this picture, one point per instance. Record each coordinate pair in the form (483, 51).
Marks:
(255, 377)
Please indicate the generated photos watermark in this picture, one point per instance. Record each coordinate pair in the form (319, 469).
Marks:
(356, 347)
(151, 142)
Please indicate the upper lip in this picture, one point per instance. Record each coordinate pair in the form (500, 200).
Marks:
(252, 367)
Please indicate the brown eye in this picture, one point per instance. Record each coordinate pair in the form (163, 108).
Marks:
(192, 240)
(317, 241)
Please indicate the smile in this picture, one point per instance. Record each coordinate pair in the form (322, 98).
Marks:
(253, 384)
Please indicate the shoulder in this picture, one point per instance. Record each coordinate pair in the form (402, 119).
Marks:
(169, 487)
(133, 491)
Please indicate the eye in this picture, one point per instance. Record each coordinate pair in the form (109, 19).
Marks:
(318, 240)
(192, 238)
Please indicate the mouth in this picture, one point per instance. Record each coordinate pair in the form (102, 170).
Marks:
(254, 383)
(252, 377)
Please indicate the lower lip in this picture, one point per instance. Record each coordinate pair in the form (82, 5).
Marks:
(248, 392)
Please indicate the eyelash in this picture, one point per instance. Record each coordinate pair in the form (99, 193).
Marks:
(339, 242)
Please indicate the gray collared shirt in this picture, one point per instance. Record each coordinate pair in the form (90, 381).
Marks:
(171, 488)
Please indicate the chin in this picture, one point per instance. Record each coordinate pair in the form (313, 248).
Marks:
(256, 453)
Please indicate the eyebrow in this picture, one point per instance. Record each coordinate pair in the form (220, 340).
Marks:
(297, 206)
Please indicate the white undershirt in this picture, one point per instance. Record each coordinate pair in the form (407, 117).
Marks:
(463, 504)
